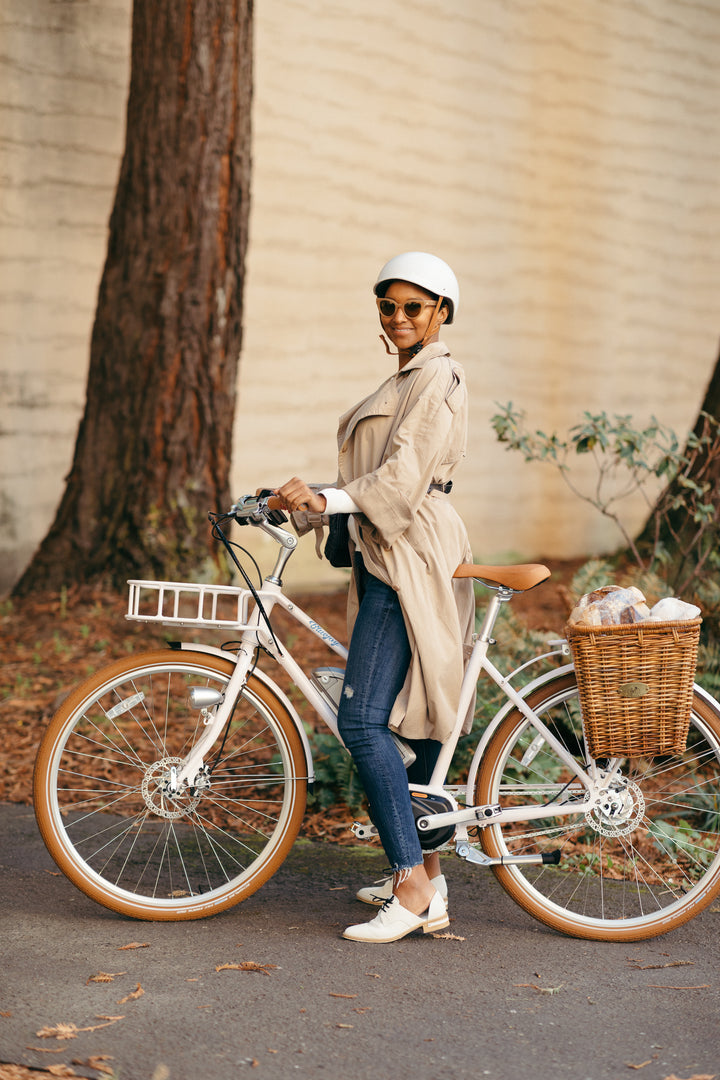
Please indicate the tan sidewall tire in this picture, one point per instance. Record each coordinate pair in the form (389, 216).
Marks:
(491, 839)
(72, 868)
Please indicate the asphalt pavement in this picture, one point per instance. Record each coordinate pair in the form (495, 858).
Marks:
(270, 986)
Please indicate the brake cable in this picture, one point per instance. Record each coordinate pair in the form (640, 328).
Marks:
(218, 534)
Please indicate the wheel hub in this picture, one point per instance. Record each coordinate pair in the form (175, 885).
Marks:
(158, 794)
(619, 811)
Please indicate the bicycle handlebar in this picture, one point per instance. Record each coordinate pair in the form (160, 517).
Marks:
(258, 509)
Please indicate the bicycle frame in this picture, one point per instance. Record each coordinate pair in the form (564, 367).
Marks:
(257, 633)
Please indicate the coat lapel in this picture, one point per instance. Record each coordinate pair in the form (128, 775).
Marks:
(386, 399)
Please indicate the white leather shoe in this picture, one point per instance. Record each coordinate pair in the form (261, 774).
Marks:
(393, 922)
(381, 891)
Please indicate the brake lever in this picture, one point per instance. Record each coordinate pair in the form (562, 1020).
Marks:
(275, 517)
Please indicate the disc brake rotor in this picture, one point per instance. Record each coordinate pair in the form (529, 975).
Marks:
(158, 796)
(620, 812)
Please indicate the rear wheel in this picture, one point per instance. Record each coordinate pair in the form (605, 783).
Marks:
(644, 864)
(106, 809)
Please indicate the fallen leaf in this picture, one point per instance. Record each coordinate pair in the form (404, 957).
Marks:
(45, 1050)
(134, 945)
(337, 888)
(342, 995)
(61, 1070)
(109, 1021)
(98, 1062)
(373, 974)
(671, 963)
(136, 993)
(247, 965)
(363, 1009)
(60, 1031)
(641, 1065)
(5, 1014)
(695, 1076)
(105, 976)
(449, 937)
(543, 989)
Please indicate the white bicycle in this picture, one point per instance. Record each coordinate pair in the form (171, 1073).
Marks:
(172, 784)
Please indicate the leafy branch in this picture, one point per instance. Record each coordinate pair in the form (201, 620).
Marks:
(627, 460)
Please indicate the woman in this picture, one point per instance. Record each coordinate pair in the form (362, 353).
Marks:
(398, 452)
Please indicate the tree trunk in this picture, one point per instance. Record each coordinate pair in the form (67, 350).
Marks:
(671, 521)
(153, 449)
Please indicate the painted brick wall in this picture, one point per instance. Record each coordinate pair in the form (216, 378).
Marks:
(562, 157)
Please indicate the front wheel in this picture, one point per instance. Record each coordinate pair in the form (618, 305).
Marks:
(104, 800)
(645, 863)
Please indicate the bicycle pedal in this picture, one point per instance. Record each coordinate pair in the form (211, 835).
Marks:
(363, 832)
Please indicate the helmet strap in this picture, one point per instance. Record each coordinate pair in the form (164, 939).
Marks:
(432, 326)
(388, 350)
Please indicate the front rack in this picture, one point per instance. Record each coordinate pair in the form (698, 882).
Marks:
(180, 603)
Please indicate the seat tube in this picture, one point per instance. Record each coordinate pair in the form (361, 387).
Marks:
(499, 597)
(472, 672)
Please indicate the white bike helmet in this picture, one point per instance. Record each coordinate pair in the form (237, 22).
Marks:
(427, 271)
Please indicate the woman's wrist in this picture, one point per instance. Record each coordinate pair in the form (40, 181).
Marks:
(338, 501)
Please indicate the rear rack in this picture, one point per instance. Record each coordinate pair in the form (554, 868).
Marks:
(180, 603)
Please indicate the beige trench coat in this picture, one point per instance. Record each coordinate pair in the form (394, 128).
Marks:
(410, 433)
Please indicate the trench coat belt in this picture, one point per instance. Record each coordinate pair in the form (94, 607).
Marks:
(445, 488)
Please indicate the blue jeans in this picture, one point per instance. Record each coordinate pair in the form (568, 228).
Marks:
(378, 660)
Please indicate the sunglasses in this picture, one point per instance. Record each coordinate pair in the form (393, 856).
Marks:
(411, 308)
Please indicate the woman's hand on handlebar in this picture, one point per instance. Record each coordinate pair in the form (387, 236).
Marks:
(296, 495)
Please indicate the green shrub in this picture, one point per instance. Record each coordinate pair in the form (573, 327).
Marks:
(681, 540)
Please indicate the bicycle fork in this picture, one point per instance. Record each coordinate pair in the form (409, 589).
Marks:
(216, 709)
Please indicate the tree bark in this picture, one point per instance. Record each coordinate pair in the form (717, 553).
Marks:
(153, 449)
(672, 524)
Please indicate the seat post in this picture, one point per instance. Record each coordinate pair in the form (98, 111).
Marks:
(500, 597)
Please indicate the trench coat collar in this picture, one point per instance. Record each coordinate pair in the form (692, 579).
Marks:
(429, 352)
(384, 400)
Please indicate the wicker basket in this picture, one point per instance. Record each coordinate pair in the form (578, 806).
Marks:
(636, 685)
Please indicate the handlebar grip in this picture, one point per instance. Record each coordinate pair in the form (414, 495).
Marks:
(274, 504)
(273, 501)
